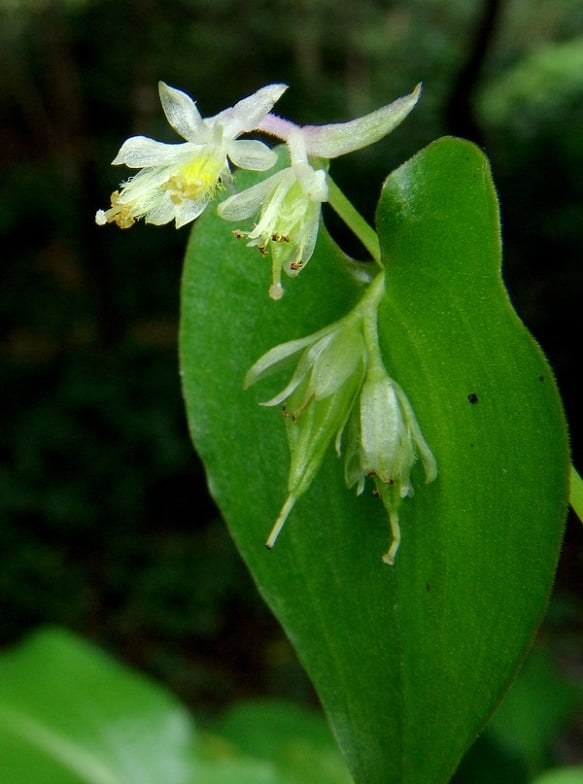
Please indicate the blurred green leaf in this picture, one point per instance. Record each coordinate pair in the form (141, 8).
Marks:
(535, 709)
(409, 662)
(490, 761)
(236, 771)
(519, 740)
(296, 740)
(71, 715)
(541, 88)
(561, 776)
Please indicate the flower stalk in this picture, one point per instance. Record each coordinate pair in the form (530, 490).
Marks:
(354, 220)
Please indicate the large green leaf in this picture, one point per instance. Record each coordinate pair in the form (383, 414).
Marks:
(71, 715)
(410, 660)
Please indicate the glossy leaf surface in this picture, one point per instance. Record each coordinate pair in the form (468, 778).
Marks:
(409, 661)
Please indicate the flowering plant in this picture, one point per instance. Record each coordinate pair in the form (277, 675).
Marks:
(412, 357)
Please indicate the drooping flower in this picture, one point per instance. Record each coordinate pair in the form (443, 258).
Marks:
(341, 391)
(177, 181)
(316, 401)
(289, 203)
(383, 441)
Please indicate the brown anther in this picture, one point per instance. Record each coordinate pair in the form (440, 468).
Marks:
(238, 234)
(277, 237)
(296, 265)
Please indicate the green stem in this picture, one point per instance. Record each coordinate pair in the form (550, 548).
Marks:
(576, 495)
(354, 220)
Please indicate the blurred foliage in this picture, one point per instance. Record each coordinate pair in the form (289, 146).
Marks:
(106, 525)
(138, 733)
(135, 731)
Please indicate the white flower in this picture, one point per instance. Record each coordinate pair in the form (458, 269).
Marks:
(177, 181)
(289, 203)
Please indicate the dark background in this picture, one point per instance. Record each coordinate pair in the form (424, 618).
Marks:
(106, 525)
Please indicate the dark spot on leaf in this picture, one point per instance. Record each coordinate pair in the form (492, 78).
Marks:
(541, 378)
(473, 398)
(427, 587)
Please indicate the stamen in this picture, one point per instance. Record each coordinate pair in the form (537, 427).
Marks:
(120, 214)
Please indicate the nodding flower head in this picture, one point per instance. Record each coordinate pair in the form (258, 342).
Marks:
(383, 441)
(288, 204)
(316, 401)
(177, 181)
(341, 391)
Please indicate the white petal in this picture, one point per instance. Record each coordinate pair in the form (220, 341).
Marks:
(180, 111)
(344, 352)
(329, 141)
(251, 154)
(247, 113)
(162, 212)
(138, 152)
(308, 239)
(273, 358)
(248, 202)
(188, 211)
(381, 424)
(144, 185)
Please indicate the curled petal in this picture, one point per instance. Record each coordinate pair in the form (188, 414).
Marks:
(139, 152)
(180, 111)
(251, 154)
(330, 141)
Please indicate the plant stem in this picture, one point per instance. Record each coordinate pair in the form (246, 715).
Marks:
(576, 494)
(354, 220)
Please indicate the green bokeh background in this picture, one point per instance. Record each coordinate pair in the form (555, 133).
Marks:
(106, 525)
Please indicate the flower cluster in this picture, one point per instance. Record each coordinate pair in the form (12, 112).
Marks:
(176, 182)
(340, 391)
